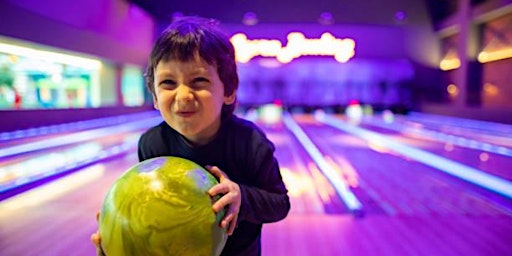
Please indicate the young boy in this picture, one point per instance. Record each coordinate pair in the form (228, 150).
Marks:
(193, 78)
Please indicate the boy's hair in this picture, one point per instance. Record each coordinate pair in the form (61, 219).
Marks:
(189, 36)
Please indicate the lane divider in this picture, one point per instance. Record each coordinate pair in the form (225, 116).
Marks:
(467, 173)
(74, 126)
(23, 174)
(445, 138)
(79, 137)
(52, 190)
(341, 188)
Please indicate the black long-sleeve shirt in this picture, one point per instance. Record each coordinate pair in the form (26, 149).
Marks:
(242, 151)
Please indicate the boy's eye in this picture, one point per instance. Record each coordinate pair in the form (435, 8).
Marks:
(168, 84)
(200, 81)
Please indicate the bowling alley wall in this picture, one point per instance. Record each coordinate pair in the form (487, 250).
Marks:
(112, 37)
(378, 71)
(478, 57)
(410, 63)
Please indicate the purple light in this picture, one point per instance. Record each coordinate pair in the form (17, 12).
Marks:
(177, 16)
(326, 18)
(400, 16)
(250, 19)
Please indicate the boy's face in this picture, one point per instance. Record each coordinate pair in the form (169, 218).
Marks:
(189, 96)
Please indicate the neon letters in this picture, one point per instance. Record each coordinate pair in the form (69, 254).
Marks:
(297, 45)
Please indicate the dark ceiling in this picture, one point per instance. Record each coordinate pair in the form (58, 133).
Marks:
(380, 12)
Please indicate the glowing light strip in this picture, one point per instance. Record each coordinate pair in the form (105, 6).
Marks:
(449, 64)
(456, 169)
(23, 173)
(78, 137)
(341, 188)
(53, 190)
(73, 126)
(484, 56)
(51, 56)
(297, 45)
(490, 127)
(446, 138)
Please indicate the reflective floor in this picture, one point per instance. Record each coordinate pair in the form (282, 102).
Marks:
(380, 185)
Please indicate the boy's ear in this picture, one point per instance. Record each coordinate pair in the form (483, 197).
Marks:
(155, 102)
(228, 100)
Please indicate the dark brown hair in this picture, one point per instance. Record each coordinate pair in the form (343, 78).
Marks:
(188, 37)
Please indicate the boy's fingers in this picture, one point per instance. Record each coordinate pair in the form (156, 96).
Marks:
(95, 238)
(218, 189)
(216, 172)
(230, 220)
(99, 252)
(232, 225)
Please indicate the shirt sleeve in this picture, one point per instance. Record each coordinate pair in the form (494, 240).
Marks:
(140, 149)
(265, 198)
(151, 144)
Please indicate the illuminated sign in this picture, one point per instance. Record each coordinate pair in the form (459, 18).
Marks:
(297, 45)
(86, 63)
(449, 64)
(488, 56)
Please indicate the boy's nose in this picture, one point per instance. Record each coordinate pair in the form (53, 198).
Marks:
(183, 93)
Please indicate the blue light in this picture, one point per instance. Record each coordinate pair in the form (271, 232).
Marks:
(79, 125)
(78, 137)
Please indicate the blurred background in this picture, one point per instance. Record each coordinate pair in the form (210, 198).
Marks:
(431, 78)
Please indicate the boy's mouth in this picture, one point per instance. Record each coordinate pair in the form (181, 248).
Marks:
(185, 113)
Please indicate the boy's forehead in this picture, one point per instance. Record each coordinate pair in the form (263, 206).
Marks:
(185, 55)
(194, 57)
(192, 64)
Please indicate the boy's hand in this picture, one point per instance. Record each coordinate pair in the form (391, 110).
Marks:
(230, 197)
(96, 239)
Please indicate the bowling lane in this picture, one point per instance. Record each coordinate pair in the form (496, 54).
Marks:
(398, 185)
(434, 213)
(58, 218)
(36, 159)
(410, 208)
(24, 171)
(17, 146)
(492, 159)
(310, 192)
